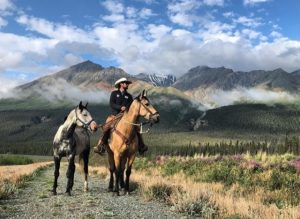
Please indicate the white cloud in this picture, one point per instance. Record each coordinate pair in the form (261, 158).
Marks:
(61, 90)
(229, 14)
(182, 12)
(276, 34)
(146, 13)
(249, 22)
(5, 5)
(6, 8)
(60, 32)
(253, 2)
(183, 6)
(7, 85)
(182, 19)
(2, 22)
(214, 2)
(131, 12)
(251, 34)
(115, 18)
(113, 6)
(158, 31)
(223, 98)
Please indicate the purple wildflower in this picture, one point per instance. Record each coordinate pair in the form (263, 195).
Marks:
(296, 164)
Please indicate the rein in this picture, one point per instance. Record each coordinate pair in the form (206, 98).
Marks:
(139, 125)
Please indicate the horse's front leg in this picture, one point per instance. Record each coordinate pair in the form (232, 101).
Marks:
(118, 171)
(70, 173)
(123, 164)
(111, 169)
(85, 157)
(111, 179)
(56, 173)
(128, 173)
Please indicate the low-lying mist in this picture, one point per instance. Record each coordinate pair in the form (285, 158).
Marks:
(253, 95)
(62, 90)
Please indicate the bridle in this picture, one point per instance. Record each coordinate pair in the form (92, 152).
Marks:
(143, 123)
(85, 125)
(147, 109)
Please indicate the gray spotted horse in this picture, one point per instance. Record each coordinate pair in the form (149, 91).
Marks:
(71, 139)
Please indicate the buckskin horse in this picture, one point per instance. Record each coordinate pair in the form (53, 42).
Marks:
(72, 138)
(124, 142)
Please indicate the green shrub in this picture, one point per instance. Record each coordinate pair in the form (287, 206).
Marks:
(222, 171)
(172, 167)
(14, 160)
(201, 208)
(160, 192)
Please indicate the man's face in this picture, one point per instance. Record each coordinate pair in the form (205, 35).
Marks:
(124, 85)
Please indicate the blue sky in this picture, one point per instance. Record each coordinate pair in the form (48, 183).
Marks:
(166, 37)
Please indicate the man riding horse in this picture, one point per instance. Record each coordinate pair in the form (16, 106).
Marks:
(120, 100)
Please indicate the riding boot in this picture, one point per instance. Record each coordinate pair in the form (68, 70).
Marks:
(102, 144)
(141, 145)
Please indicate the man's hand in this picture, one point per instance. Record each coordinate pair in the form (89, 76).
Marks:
(123, 108)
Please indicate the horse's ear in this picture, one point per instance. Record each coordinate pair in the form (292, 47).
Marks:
(86, 104)
(80, 106)
(143, 93)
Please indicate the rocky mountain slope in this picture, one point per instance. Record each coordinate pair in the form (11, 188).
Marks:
(221, 86)
(227, 79)
(157, 80)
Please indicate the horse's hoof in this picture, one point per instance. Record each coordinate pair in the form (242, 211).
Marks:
(86, 189)
(68, 193)
(110, 190)
(126, 192)
(116, 194)
(54, 193)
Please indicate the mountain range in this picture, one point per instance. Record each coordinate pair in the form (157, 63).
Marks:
(201, 84)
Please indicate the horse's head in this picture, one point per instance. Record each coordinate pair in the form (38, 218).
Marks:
(84, 118)
(146, 110)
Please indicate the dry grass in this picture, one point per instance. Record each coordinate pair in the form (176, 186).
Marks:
(11, 177)
(215, 200)
(187, 192)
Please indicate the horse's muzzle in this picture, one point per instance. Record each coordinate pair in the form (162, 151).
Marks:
(154, 118)
(93, 126)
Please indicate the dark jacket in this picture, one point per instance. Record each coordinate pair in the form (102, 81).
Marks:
(119, 99)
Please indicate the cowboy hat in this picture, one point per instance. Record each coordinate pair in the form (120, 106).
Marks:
(122, 80)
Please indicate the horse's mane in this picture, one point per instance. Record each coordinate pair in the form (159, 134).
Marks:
(136, 98)
(62, 132)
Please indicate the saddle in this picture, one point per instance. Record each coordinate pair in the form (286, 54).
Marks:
(111, 122)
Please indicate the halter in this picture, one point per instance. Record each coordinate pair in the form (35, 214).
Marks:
(85, 125)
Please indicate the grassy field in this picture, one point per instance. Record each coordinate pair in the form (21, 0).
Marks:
(13, 176)
(223, 187)
(238, 186)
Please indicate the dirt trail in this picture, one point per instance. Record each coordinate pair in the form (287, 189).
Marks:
(36, 201)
